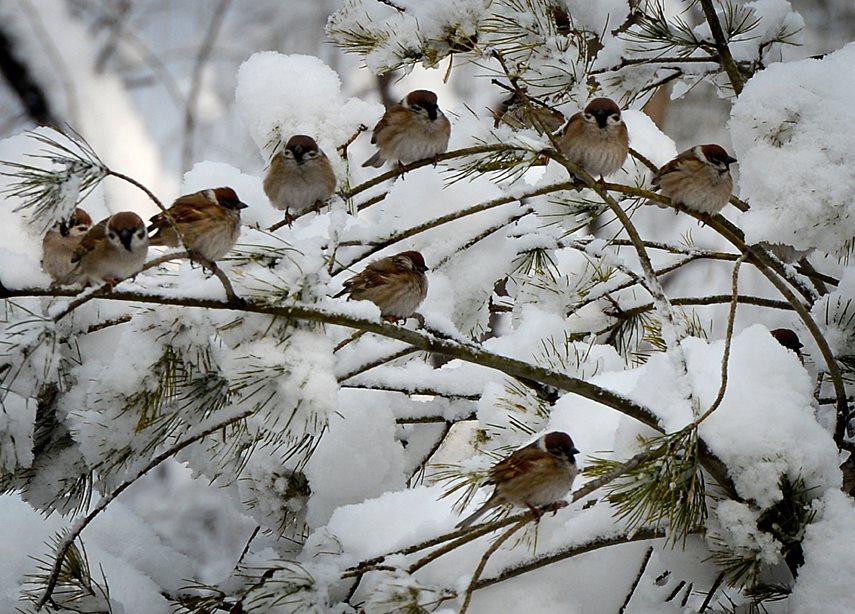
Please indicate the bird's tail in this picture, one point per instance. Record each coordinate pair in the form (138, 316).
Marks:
(376, 161)
(471, 518)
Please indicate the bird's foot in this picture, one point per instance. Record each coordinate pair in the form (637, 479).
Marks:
(289, 219)
(537, 513)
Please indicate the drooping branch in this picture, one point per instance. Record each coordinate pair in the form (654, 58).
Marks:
(77, 528)
(468, 352)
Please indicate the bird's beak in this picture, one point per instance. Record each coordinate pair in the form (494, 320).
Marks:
(729, 160)
(602, 121)
(573, 450)
(432, 112)
(241, 205)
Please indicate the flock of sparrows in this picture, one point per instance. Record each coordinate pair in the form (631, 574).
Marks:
(300, 178)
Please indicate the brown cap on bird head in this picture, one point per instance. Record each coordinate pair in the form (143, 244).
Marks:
(717, 154)
(417, 260)
(423, 99)
(788, 339)
(299, 144)
(560, 444)
(228, 198)
(601, 109)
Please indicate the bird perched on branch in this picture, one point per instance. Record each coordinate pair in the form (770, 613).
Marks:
(300, 177)
(518, 115)
(698, 179)
(596, 139)
(112, 250)
(534, 476)
(207, 221)
(60, 242)
(790, 340)
(412, 130)
(396, 284)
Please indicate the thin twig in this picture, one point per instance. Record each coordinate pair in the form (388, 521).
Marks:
(467, 597)
(74, 532)
(644, 561)
(728, 338)
(728, 63)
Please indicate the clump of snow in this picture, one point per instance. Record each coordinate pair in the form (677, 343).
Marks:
(279, 96)
(766, 385)
(357, 458)
(824, 585)
(792, 129)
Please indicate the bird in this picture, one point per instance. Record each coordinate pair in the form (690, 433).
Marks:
(533, 476)
(112, 250)
(59, 244)
(518, 116)
(396, 284)
(300, 177)
(411, 130)
(208, 222)
(785, 252)
(790, 340)
(596, 138)
(698, 179)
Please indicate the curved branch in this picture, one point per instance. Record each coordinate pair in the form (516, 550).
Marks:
(465, 351)
(77, 528)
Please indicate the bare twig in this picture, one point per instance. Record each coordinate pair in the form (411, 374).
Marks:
(728, 337)
(467, 597)
(74, 532)
(728, 63)
(644, 561)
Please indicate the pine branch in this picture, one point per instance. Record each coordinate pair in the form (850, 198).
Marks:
(65, 544)
(737, 81)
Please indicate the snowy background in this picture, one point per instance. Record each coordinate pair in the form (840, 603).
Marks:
(184, 96)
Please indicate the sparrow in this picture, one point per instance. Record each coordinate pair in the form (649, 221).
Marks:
(513, 113)
(208, 222)
(536, 475)
(789, 340)
(698, 179)
(59, 244)
(114, 249)
(396, 284)
(411, 130)
(300, 177)
(596, 139)
(784, 252)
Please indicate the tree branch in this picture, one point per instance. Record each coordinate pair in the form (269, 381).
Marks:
(76, 529)
(728, 63)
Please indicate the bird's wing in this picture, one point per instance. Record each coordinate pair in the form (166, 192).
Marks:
(96, 235)
(385, 120)
(187, 210)
(519, 463)
(674, 165)
(374, 275)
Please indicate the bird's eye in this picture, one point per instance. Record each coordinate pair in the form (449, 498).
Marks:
(416, 107)
(311, 154)
(112, 236)
(588, 117)
(140, 234)
(289, 153)
(614, 118)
